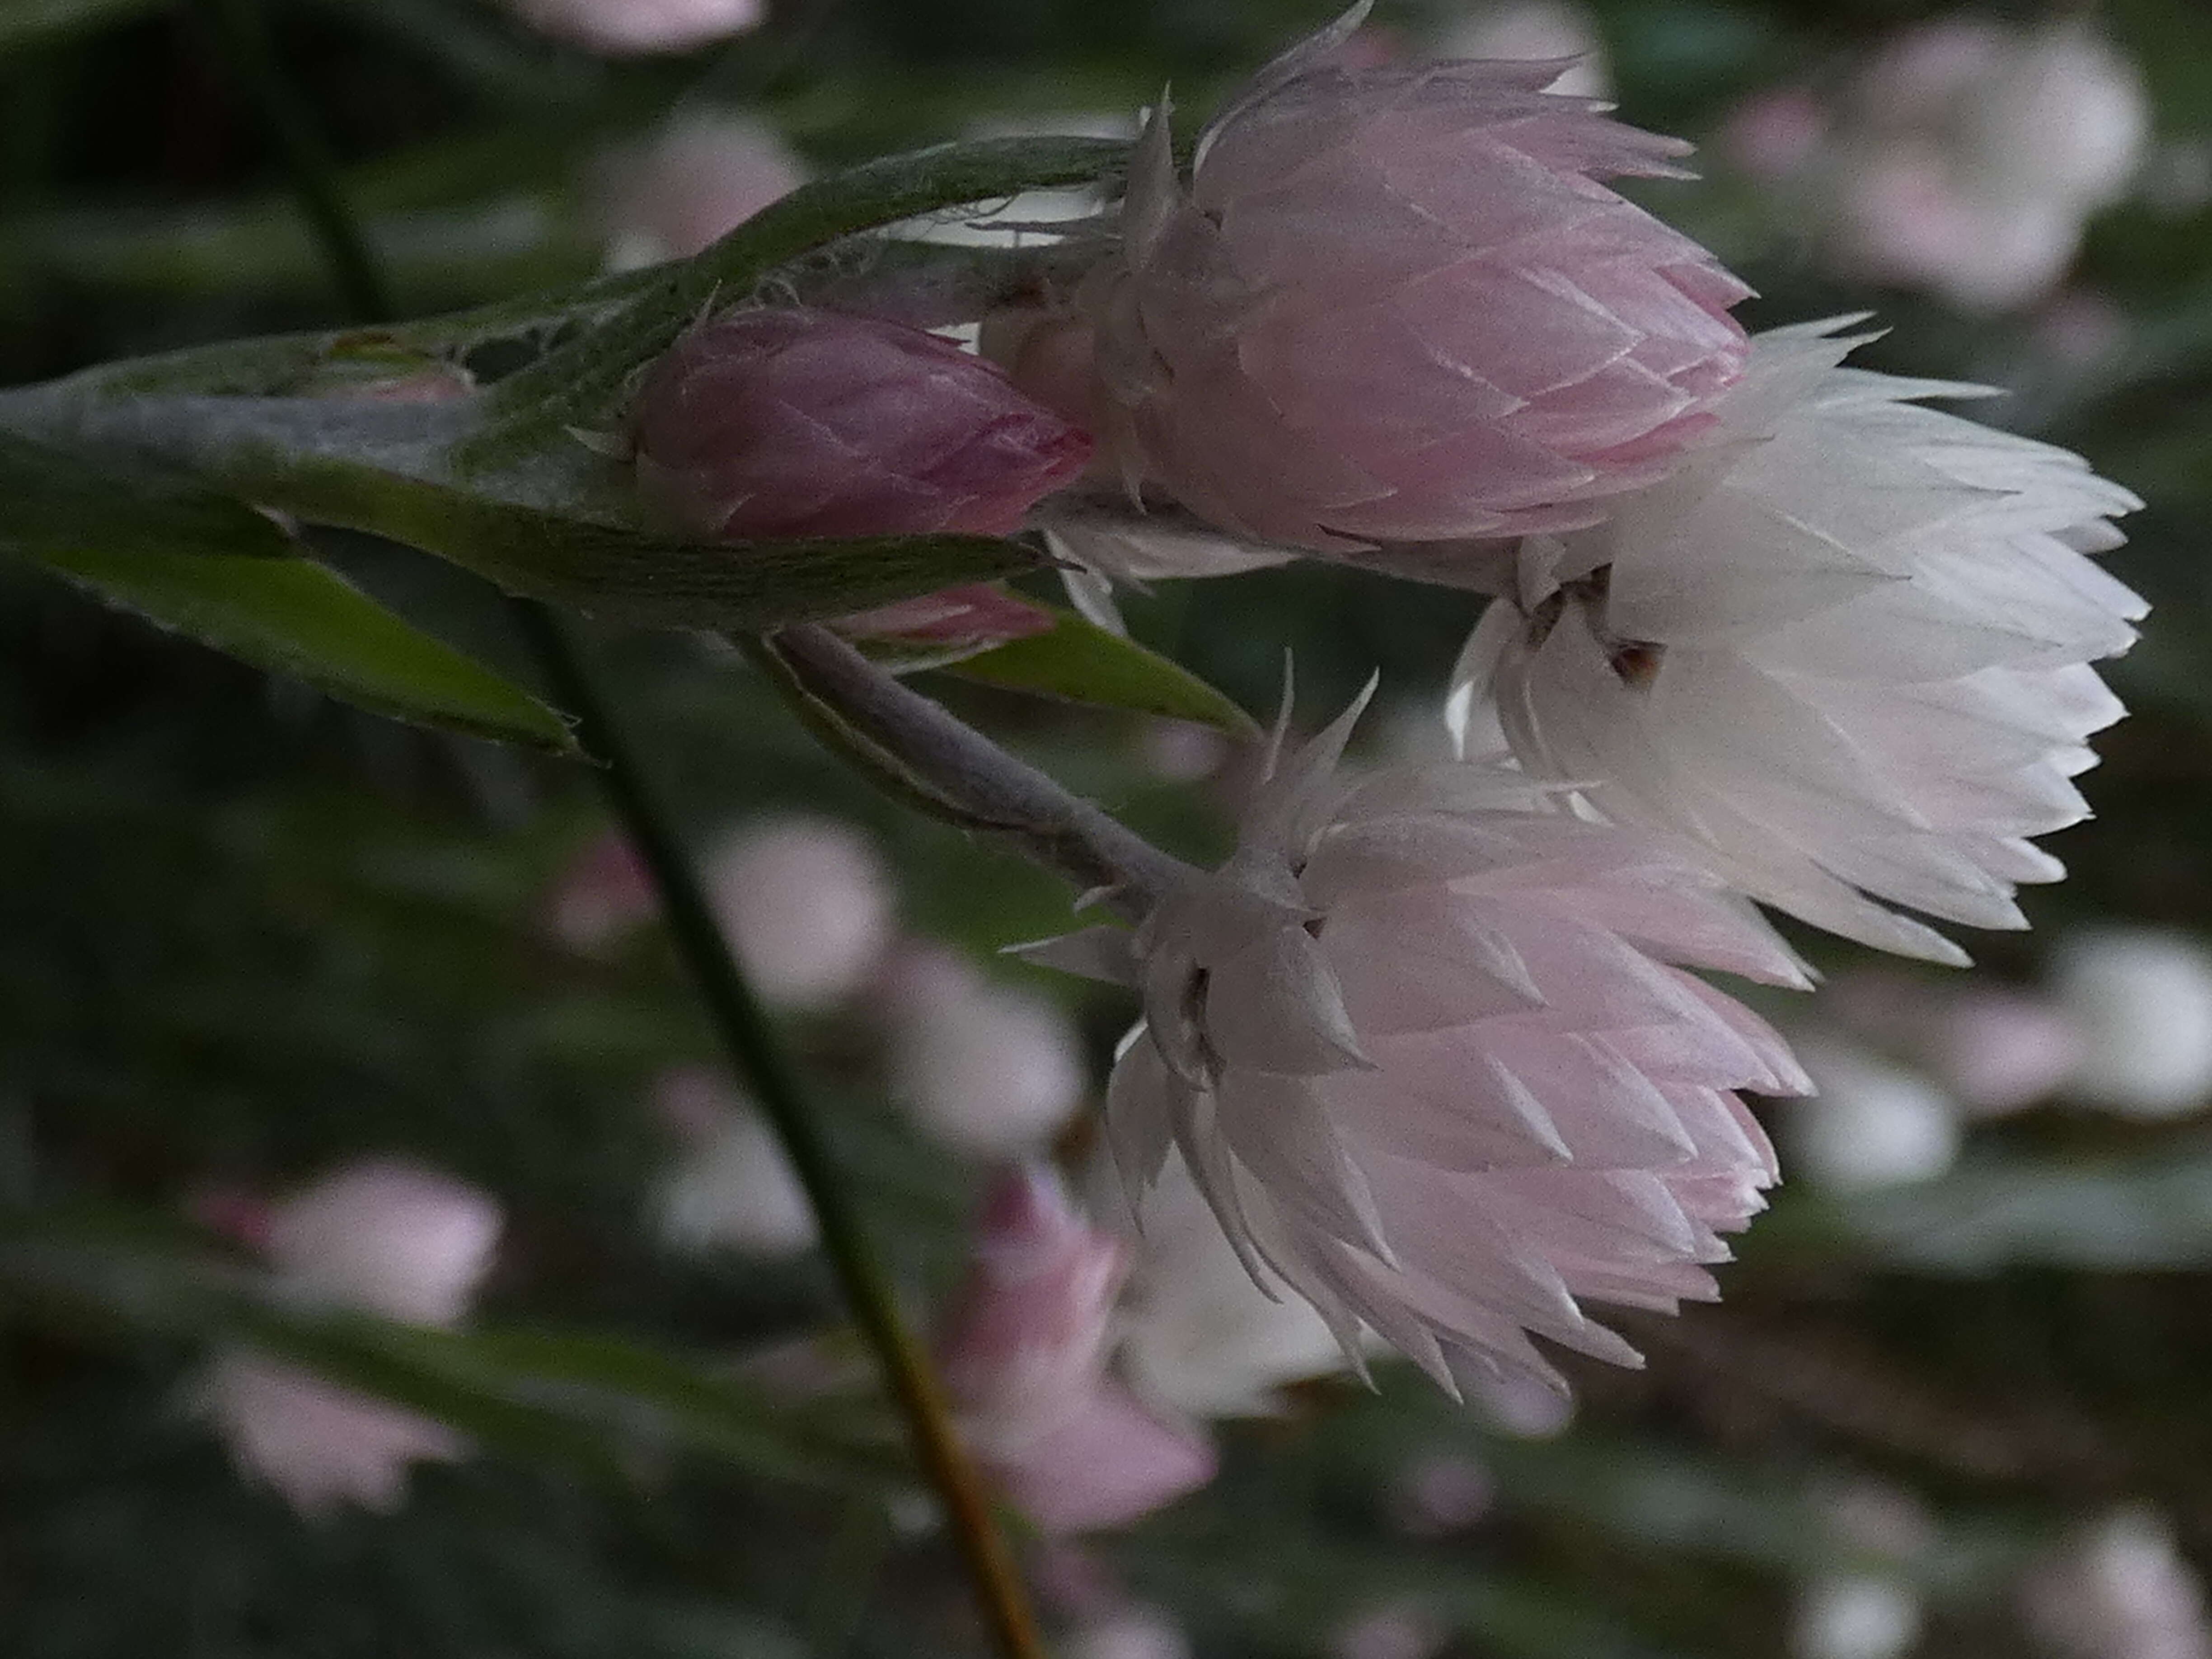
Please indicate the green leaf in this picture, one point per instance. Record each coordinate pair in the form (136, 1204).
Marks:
(1085, 663)
(52, 501)
(597, 1401)
(632, 575)
(22, 21)
(580, 383)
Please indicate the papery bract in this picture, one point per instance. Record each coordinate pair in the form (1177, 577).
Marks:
(788, 421)
(1845, 650)
(1394, 304)
(1428, 1055)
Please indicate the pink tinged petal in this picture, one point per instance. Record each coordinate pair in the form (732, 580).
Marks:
(1142, 1101)
(1107, 1464)
(1276, 1006)
(1441, 1098)
(1102, 953)
(1280, 1129)
(980, 615)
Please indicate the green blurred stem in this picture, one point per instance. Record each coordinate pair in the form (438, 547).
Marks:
(242, 35)
(737, 1015)
(760, 1060)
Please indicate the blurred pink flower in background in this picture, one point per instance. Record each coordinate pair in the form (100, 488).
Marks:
(1965, 156)
(1394, 304)
(605, 893)
(733, 1189)
(387, 1238)
(1435, 1066)
(701, 175)
(1440, 1494)
(2140, 998)
(621, 27)
(1398, 1629)
(1023, 1350)
(2122, 1590)
(1868, 1123)
(985, 1067)
(786, 421)
(1855, 1616)
(807, 904)
(1845, 650)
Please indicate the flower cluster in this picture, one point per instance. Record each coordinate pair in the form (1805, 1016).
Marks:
(1764, 629)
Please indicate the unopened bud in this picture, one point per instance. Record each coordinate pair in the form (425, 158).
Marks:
(793, 421)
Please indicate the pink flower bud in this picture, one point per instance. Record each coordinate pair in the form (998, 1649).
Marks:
(1395, 305)
(953, 619)
(793, 421)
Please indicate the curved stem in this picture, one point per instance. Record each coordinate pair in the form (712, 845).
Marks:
(738, 1019)
(993, 791)
(759, 1058)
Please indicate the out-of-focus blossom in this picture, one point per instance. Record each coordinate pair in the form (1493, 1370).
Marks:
(1441, 1493)
(2121, 1591)
(2141, 999)
(1971, 152)
(1534, 31)
(789, 421)
(1432, 1064)
(733, 1189)
(1023, 1351)
(701, 176)
(2082, 328)
(1992, 1049)
(1137, 1633)
(605, 893)
(1855, 1616)
(1997, 1051)
(1401, 1630)
(984, 1068)
(1774, 133)
(1198, 1335)
(1845, 650)
(388, 1238)
(383, 1238)
(1869, 1123)
(807, 905)
(627, 27)
(1394, 304)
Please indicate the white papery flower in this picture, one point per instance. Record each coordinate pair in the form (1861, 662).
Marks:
(985, 1068)
(1429, 1059)
(1845, 649)
(807, 903)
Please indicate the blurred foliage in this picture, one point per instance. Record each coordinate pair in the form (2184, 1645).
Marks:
(246, 932)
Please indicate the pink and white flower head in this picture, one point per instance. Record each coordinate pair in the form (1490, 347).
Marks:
(806, 904)
(1845, 650)
(697, 178)
(632, 28)
(1431, 1059)
(1023, 1351)
(984, 1068)
(789, 421)
(1395, 304)
(385, 1237)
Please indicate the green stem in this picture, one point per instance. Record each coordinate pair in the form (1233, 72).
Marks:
(242, 34)
(737, 1015)
(759, 1058)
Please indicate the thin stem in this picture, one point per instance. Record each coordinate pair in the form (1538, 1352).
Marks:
(994, 790)
(759, 1058)
(242, 34)
(737, 1015)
